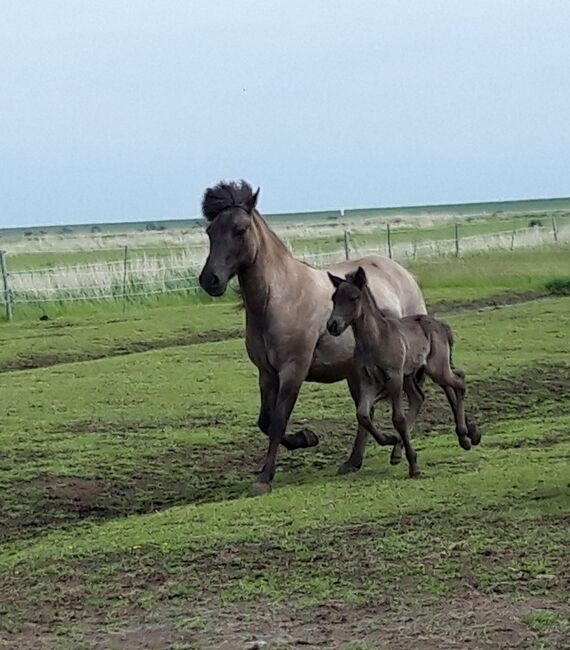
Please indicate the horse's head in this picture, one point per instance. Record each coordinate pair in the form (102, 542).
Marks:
(347, 301)
(229, 208)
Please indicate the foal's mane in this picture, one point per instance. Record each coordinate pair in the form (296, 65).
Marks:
(371, 299)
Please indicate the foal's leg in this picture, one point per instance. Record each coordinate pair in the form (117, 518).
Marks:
(290, 380)
(473, 430)
(394, 385)
(416, 398)
(363, 413)
(453, 385)
(268, 390)
(354, 461)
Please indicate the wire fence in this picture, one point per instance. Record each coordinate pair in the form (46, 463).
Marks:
(135, 278)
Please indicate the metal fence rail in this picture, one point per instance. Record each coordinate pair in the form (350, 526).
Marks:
(138, 277)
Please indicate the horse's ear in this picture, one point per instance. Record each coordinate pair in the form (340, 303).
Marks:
(359, 279)
(336, 281)
(252, 201)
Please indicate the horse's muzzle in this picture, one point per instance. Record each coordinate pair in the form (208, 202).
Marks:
(212, 284)
(334, 328)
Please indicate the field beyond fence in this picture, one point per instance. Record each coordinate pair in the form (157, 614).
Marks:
(159, 263)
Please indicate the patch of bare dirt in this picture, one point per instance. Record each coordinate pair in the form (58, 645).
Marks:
(464, 620)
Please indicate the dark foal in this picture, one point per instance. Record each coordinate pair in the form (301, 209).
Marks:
(389, 353)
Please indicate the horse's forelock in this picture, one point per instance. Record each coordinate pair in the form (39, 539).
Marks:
(224, 195)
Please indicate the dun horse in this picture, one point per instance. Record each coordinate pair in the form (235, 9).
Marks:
(389, 355)
(287, 304)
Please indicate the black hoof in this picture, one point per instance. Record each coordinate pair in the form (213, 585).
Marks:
(395, 457)
(474, 433)
(465, 443)
(348, 468)
(311, 438)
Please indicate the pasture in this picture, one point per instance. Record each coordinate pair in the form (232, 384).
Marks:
(127, 446)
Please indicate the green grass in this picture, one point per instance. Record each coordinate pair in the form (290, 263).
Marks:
(123, 480)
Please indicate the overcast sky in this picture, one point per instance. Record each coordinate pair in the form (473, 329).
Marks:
(115, 110)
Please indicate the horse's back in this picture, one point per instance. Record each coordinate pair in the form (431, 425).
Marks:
(393, 287)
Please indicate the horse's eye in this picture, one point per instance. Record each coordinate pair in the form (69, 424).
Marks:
(239, 231)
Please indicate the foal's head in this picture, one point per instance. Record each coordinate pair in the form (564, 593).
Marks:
(347, 300)
(229, 207)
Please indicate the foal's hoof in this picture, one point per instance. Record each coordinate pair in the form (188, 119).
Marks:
(474, 433)
(258, 489)
(415, 473)
(465, 443)
(395, 457)
(348, 468)
(311, 438)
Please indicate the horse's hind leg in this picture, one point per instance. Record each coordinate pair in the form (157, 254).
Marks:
(473, 430)
(453, 386)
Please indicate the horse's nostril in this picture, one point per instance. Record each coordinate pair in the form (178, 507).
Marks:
(214, 280)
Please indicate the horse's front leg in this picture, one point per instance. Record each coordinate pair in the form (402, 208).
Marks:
(268, 390)
(290, 379)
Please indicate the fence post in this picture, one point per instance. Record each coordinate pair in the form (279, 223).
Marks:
(415, 249)
(7, 291)
(346, 245)
(456, 240)
(389, 240)
(554, 228)
(513, 239)
(125, 260)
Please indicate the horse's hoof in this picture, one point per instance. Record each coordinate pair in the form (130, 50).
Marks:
(465, 443)
(311, 438)
(474, 433)
(415, 473)
(395, 458)
(259, 489)
(348, 468)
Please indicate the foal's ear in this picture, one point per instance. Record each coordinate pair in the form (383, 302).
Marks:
(252, 201)
(336, 281)
(359, 279)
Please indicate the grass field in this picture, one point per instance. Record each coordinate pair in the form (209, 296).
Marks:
(127, 446)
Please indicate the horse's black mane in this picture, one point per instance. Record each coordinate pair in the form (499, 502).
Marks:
(235, 194)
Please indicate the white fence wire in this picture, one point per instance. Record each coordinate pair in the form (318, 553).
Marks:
(177, 272)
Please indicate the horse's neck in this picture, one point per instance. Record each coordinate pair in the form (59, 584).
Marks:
(372, 323)
(264, 279)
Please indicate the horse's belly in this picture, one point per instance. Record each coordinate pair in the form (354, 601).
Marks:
(332, 358)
